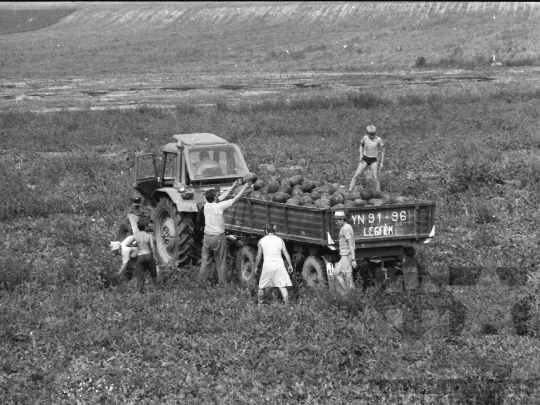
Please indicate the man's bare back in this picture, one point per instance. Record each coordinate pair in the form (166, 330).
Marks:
(145, 243)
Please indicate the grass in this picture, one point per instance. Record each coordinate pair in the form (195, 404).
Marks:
(101, 39)
(68, 340)
(473, 149)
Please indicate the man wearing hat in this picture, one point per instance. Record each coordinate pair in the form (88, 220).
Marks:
(370, 147)
(214, 241)
(344, 268)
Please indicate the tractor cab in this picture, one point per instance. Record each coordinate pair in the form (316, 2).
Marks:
(194, 162)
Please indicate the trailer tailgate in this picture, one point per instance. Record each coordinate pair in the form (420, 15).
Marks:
(373, 225)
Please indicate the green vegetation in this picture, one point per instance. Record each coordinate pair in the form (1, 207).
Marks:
(471, 146)
(66, 339)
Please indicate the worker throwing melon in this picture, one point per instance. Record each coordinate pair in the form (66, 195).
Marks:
(370, 147)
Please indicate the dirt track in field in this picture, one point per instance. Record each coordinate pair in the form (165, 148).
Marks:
(124, 92)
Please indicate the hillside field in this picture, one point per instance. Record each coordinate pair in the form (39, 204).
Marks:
(85, 86)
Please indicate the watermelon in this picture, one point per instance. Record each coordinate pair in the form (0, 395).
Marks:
(296, 180)
(343, 191)
(360, 203)
(315, 196)
(285, 188)
(353, 195)
(307, 186)
(280, 197)
(292, 201)
(257, 195)
(307, 199)
(258, 184)
(337, 198)
(250, 177)
(296, 191)
(273, 186)
(276, 178)
(264, 190)
(375, 201)
(366, 194)
(328, 188)
(326, 201)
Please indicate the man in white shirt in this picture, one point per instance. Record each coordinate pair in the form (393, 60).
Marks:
(215, 242)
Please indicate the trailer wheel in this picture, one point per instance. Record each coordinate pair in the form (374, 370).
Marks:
(124, 230)
(245, 264)
(314, 271)
(174, 232)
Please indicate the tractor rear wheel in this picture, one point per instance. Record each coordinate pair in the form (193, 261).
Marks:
(245, 265)
(314, 271)
(175, 234)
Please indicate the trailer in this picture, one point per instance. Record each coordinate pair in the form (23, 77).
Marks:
(173, 191)
(311, 237)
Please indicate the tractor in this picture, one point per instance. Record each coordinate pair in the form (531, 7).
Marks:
(174, 192)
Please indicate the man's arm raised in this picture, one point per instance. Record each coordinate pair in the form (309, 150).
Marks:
(226, 193)
(241, 193)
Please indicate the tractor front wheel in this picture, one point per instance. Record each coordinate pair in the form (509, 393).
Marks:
(175, 234)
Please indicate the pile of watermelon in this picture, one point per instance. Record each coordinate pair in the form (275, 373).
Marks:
(298, 190)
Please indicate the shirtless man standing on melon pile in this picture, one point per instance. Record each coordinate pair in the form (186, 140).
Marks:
(370, 146)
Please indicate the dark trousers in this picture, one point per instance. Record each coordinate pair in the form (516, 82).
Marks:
(214, 246)
(145, 262)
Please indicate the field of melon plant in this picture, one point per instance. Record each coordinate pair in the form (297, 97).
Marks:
(470, 335)
(66, 181)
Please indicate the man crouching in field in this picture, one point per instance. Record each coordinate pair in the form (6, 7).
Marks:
(146, 253)
(129, 258)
